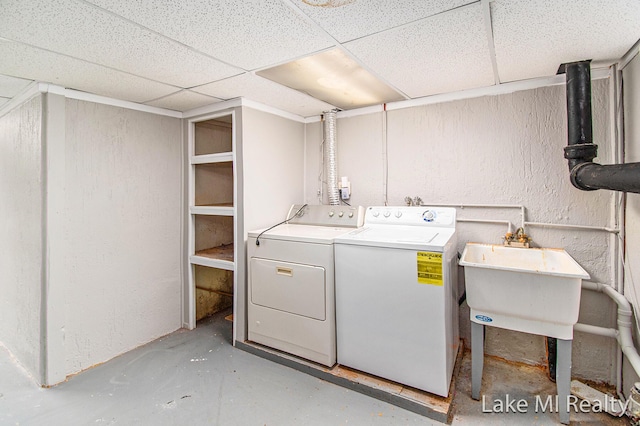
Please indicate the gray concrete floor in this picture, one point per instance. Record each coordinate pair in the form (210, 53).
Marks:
(197, 378)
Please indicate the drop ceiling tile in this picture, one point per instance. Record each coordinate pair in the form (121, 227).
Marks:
(337, 17)
(444, 53)
(11, 86)
(183, 100)
(532, 38)
(87, 32)
(249, 34)
(45, 66)
(267, 92)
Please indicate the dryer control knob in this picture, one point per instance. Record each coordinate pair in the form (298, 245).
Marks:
(375, 213)
(331, 213)
(387, 213)
(350, 214)
(340, 214)
(398, 214)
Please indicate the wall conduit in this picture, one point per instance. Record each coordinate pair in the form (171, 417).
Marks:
(580, 151)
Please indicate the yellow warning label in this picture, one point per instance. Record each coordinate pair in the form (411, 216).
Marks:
(430, 268)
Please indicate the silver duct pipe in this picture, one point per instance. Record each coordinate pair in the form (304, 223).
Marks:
(331, 157)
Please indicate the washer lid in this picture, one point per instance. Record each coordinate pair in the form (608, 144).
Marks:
(302, 233)
(406, 237)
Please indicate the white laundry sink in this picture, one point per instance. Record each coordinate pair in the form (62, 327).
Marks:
(533, 290)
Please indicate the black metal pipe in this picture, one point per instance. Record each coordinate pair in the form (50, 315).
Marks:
(552, 349)
(580, 151)
(616, 177)
(581, 148)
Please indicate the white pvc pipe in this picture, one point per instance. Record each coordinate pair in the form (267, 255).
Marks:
(568, 226)
(624, 333)
(498, 222)
(598, 331)
(488, 206)
(524, 222)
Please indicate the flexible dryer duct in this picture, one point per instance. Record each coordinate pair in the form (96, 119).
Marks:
(330, 154)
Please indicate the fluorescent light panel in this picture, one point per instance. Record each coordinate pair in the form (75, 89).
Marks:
(333, 77)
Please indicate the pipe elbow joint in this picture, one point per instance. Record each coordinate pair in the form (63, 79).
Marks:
(580, 155)
(575, 173)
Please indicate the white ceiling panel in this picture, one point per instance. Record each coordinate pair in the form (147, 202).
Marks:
(4, 101)
(249, 34)
(42, 65)
(171, 53)
(87, 32)
(183, 100)
(267, 92)
(11, 86)
(532, 38)
(337, 17)
(444, 53)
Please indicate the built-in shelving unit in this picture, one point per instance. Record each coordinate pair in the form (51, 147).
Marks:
(212, 213)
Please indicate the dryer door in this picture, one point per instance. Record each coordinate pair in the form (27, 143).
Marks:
(289, 287)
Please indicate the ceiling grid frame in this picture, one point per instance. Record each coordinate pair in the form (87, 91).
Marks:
(486, 6)
(525, 40)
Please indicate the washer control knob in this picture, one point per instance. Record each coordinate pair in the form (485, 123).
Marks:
(375, 213)
(350, 214)
(340, 214)
(398, 214)
(387, 213)
(331, 213)
(429, 216)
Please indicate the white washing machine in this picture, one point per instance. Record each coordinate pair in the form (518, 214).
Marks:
(291, 295)
(396, 296)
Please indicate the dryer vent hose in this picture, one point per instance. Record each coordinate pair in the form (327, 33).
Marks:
(331, 157)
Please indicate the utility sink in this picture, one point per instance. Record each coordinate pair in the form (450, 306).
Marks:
(533, 290)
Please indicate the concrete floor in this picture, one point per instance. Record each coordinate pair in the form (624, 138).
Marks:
(197, 378)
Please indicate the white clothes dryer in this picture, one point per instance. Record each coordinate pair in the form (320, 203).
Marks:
(291, 292)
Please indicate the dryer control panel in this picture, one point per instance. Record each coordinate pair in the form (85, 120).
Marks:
(324, 215)
(441, 217)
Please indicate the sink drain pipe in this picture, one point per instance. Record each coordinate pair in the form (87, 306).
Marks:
(624, 332)
(580, 152)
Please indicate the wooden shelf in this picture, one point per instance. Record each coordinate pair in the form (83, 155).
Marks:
(212, 177)
(224, 252)
(223, 293)
(223, 209)
(218, 205)
(215, 257)
(223, 157)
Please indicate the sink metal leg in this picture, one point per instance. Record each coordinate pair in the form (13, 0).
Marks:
(477, 358)
(563, 378)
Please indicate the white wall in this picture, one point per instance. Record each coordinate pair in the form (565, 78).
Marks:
(272, 161)
(505, 149)
(631, 88)
(272, 171)
(122, 231)
(21, 216)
